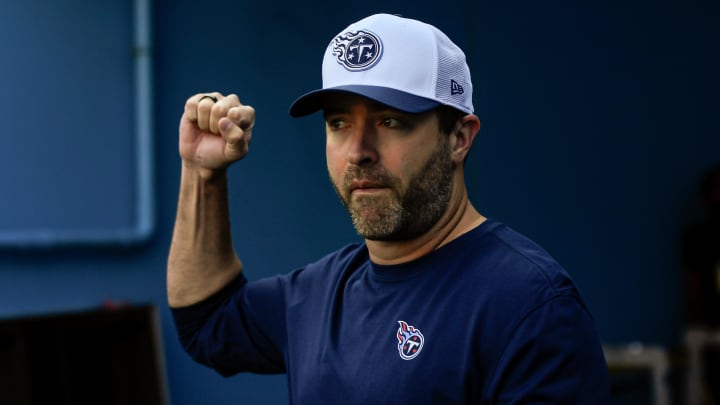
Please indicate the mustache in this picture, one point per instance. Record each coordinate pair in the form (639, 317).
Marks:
(375, 175)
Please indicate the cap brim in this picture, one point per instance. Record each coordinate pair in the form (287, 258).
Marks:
(315, 100)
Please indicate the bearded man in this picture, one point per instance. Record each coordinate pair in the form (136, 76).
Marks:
(452, 307)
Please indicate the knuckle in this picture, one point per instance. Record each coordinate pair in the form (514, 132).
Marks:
(233, 98)
(234, 114)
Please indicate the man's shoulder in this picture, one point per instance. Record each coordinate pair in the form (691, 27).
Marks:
(504, 266)
(516, 256)
(347, 254)
(330, 265)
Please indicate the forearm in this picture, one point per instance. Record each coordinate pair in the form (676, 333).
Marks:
(202, 259)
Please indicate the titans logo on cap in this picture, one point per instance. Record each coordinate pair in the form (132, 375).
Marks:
(358, 50)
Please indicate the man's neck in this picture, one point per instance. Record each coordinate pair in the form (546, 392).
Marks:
(460, 218)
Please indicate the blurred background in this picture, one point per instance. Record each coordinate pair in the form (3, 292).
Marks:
(599, 120)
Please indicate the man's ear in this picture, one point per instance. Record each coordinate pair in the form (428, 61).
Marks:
(463, 136)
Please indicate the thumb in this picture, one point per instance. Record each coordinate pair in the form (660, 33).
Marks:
(237, 139)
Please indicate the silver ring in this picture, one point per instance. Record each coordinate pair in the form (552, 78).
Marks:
(213, 98)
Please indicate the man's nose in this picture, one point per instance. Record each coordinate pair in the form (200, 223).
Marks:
(362, 149)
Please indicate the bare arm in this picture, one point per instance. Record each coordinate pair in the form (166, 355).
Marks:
(202, 259)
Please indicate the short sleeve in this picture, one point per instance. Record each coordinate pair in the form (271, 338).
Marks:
(553, 357)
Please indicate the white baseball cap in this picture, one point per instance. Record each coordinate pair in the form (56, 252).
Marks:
(403, 63)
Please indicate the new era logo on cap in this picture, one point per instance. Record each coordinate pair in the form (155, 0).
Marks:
(403, 63)
(455, 87)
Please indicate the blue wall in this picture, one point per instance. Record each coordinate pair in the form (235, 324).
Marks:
(598, 121)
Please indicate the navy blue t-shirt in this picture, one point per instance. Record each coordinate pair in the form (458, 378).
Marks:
(489, 318)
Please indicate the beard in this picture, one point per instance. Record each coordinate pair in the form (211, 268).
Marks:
(400, 214)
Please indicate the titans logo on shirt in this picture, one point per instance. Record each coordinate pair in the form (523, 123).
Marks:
(410, 341)
(357, 51)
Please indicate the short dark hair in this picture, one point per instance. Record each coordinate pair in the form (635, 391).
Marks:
(448, 118)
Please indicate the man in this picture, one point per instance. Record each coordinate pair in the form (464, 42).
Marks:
(439, 305)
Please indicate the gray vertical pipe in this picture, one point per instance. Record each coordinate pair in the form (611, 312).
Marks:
(145, 224)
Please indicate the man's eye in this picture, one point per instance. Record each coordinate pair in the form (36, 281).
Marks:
(337, 124)
(392, 122)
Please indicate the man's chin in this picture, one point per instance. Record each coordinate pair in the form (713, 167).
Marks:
(374, 235)
(367, 218)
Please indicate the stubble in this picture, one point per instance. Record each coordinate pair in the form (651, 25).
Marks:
(400, 214)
